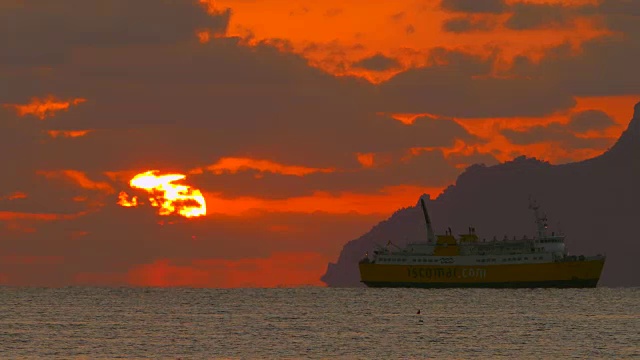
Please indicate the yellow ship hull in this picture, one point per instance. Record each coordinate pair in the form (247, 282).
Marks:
(574, 274)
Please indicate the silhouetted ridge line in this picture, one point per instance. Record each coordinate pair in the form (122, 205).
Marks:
(632, 133)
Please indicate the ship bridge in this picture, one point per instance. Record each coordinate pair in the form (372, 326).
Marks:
(551, 244)
(544, 242)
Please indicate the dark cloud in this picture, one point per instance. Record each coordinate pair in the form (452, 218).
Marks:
(532, 16)
(333, 12)
(474, 6)
(396, 169)
(463, 87)
(42, 32)
(410, 29)
(377, 62)
(186, 105)
(391, 167)
(590, 120)
(167, 103)
(176, 103)
(620, 7)
(527, 16)
(398, 16)
(464, 24)
(604, 67)
(173, 148)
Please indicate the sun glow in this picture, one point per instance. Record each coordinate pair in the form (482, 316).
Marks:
(168, 197)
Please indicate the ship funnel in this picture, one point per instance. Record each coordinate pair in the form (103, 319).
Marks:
(430, 236)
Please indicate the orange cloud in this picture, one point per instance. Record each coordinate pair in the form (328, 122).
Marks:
(67, 133)
(210, 6)
(204, 36)
(18, 227)
(503, 150)
(395, 29)
(620, 108)
(235, 164)
(14, 196)
(459, 148)
(409, 119)
(79, 178)
(280, 269)
(43, 108)
(366, 159)
(386, 201)
(10, 215)
(23, 222)
(168, 197)
(123, 176)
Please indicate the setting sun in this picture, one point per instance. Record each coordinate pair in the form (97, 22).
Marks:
(168, 197)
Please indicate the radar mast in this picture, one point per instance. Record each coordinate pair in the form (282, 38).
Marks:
(541, 219)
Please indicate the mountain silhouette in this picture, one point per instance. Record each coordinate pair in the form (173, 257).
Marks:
(595, 202)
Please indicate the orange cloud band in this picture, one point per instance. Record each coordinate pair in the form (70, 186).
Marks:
(43, 108)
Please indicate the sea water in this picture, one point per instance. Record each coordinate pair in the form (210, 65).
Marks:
(310, 323)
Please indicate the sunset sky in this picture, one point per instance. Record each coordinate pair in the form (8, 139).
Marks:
(242, 143)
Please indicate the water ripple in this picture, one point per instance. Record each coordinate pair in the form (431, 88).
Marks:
(310, 323)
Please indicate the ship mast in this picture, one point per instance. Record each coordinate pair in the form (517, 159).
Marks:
(430, 236)
(541, 220)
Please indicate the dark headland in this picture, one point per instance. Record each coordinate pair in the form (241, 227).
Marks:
(595, 202)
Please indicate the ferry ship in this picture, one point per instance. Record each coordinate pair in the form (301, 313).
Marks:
(449, 262)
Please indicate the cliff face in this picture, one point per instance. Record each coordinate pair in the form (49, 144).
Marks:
(596, 203)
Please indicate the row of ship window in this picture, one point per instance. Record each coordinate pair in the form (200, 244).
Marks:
(412, 260)
(425, 260)
(478, 260)
(511, 259)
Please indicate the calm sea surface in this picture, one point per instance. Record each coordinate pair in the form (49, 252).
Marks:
(96, 323)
